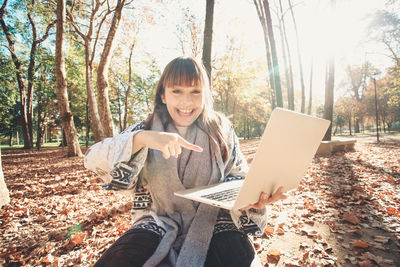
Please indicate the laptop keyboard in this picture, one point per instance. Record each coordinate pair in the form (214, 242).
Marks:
(225, 195)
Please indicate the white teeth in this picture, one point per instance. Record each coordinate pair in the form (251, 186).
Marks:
(186, 111)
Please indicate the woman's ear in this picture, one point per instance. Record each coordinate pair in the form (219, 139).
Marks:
(163, 98)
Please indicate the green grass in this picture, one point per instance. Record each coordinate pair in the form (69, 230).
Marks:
(51, 145)
(395, 133)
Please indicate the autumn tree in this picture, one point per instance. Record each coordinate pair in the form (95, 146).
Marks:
(329, 88)
(239, 92)
(264, 14)
(93, 22)
(385, 28)
(129, 90)
(388, 98)
(132, 95)
(102, 71)
(188, 30)
(286, 55)
(261, 16)
(344, 109)
(299, 59)
(356, 83)
(310, 88)
(9, 108)
(75, 71)
(44, 94)
(207, 40)
(35, 11)
(62, 94)
(329, 95)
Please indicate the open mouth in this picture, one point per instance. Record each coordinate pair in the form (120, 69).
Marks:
(185, 112)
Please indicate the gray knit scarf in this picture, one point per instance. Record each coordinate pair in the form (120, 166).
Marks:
(189, 225)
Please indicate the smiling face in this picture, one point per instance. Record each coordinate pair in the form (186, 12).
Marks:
(184, 103)
(183, 92)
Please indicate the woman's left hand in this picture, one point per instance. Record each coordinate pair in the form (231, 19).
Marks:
(265, 199)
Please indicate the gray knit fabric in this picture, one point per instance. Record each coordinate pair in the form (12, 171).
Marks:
(189, 224)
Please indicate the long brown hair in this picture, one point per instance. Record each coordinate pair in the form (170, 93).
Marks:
(186, 71)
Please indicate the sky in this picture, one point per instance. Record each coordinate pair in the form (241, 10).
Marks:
(319, 37)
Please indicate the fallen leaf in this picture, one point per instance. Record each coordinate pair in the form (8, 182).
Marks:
(381, 239)
(359, 244)
(291, 263)
(269, 230)
(365, 263)
(78, 238)
(279, 231)
(351, 218)
(273, 255)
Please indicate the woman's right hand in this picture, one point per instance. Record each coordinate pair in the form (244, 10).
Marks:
(170, 144)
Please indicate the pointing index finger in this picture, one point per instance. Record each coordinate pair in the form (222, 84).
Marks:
(188, 145)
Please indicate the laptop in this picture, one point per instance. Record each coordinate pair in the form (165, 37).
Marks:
(287, 147)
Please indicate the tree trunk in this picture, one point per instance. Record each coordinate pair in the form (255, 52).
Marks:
(102, 72)
(63, 139)
(303, 90)
(98, 130)
(29, 98)
(329, 86)
(207, 42)
(357, 126)
(87, 124)
(350, 133)
(228, 89)
(4, 193)
(277, 80)
(10, 141)
(311, 82)
(334, 132)
(31, 68)
(41, 116)
(128, 91)
(329, 90)
(119, 109)
(31, 74)
(39, 131)
(248, 128)
(261, 15)
(288, 65)
(21, 86)
(234, 112)
(26, 96)
(61, 91)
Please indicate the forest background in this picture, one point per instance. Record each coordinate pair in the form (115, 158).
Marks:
(316, 57)
(79, 71)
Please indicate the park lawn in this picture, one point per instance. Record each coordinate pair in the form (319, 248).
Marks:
(346, 211)
(50, 145)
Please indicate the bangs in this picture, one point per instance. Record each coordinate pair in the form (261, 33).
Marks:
(183, 72)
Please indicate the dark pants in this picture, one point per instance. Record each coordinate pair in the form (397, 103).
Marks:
(137, 245)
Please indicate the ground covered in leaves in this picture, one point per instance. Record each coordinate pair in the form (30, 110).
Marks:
(345, 213)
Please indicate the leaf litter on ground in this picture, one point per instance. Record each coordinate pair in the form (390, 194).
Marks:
(346, 211)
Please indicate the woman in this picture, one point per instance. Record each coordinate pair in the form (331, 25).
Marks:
(184, 143)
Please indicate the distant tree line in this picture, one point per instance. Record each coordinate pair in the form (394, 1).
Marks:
(107, 88)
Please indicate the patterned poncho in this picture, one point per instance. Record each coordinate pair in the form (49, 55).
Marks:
(186, 227)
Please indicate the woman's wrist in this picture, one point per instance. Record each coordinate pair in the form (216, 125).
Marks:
(138, 141)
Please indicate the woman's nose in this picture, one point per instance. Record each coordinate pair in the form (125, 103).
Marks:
(187, 98)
